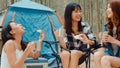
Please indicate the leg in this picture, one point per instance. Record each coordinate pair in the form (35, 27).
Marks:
(105, 63)
(75, 55)
(65, 58)
(110, 62)
(97, 59)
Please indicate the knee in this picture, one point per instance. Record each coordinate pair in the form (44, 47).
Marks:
(97, 55)
(76, 53)
(105, 60)
(65, 54)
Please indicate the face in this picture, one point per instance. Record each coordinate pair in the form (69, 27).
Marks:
(109, 11)
(76, 15)
(16, 28)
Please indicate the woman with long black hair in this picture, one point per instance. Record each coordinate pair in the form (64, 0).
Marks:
(78, 35)
(14, 50)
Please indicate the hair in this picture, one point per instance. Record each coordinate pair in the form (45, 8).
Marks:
(7, 36)
(115, 6)
(68, 17)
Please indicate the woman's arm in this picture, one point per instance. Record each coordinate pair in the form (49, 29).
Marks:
(34, 54)
(117, 42)
(91, 42)
(4, 17)
(88, 36)
(10, 51)
(13, 16)
(62, 43)
(41, 38)
(84, 38)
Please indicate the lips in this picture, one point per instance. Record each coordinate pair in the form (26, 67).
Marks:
(78, 17)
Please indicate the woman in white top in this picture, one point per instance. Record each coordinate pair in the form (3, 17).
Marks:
(15, 51)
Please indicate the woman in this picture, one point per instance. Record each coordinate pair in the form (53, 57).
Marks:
(14, 50)
(78, 35)
(111, 57)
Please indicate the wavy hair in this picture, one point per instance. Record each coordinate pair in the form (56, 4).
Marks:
(115, 6)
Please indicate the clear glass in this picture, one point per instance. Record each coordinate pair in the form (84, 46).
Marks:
(38, 45)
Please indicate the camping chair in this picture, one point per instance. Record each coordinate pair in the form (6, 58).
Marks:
(58, 59)
(86, 56)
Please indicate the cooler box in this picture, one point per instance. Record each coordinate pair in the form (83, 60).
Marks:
(36, 63)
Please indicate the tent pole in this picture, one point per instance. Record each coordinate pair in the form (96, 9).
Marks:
(56, 55)
(59, 18)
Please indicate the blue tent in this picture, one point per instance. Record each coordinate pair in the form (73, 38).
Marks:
(33, 16)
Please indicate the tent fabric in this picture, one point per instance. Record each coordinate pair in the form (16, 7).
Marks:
(33, 19)
(31, 5)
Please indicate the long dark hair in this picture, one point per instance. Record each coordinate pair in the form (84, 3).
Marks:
(68, 18)
(115, 6)
(7, 36)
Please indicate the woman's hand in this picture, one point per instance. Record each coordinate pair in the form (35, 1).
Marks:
(84, 38)
(30, 46)
(33, 54)
(108, 38)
